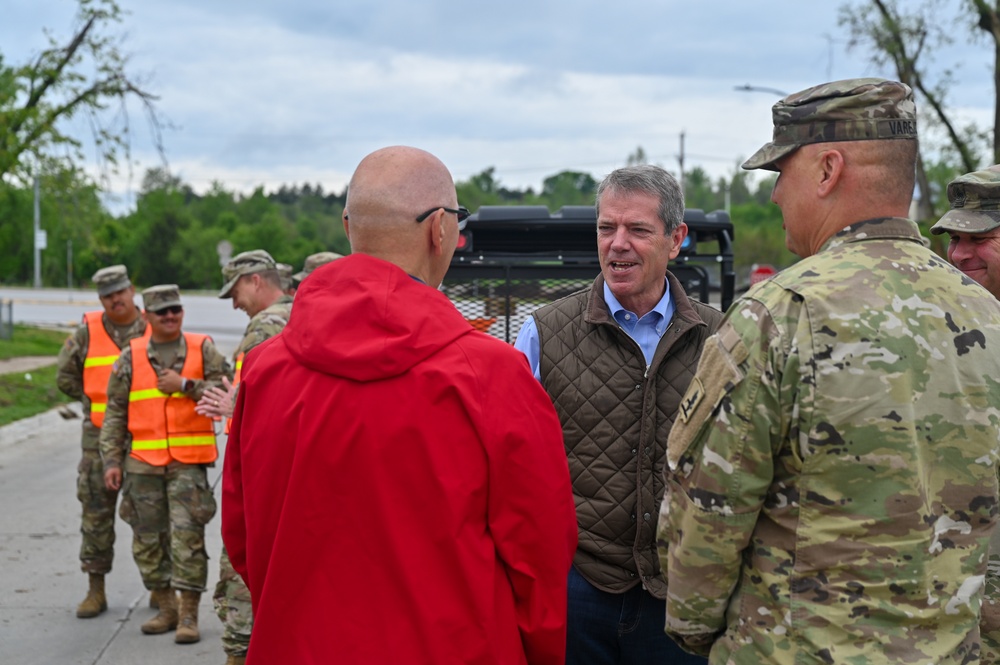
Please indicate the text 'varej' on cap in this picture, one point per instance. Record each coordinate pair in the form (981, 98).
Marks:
(862, 109)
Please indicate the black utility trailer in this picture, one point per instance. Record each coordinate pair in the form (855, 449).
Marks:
(513, 259)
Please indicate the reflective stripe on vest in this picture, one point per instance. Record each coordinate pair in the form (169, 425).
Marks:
(236, 382)
(166, 427)
(102, 352)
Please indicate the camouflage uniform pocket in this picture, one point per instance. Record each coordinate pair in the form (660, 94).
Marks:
(202, 504)
(127, 508)
(83, 479)
(718, 373)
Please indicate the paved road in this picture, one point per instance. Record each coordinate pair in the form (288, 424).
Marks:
(40, 578)
(203, 312)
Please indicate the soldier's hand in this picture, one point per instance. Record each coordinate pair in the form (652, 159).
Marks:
(216, 402)
(169, 381)
(113, 479)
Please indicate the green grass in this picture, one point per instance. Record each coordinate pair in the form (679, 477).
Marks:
(32, 342)
(21, 397)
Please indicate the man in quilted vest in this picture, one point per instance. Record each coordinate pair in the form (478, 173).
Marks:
(615, 359)
(84, 366)
(152, 433)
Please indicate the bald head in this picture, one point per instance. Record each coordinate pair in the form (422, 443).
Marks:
(387, 192)
(393, 185)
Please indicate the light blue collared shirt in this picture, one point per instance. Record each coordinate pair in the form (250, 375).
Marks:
(646, 331)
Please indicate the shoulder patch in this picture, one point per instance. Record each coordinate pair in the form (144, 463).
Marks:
(693, 397)
(718, 373)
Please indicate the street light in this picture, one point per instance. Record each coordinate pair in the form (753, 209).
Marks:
(756, 88)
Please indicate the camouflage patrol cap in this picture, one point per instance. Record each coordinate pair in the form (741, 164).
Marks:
(314, 261)
(975, 203)
(111, 279)
(245, 263)
(852, 110)
(285, 273)
(156, 298)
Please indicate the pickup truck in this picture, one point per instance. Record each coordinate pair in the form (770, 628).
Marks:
(513, 259)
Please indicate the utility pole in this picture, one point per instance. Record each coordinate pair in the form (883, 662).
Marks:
(680, 158)
(37, 229)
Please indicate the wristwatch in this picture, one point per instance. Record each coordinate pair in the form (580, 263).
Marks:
(184, 384)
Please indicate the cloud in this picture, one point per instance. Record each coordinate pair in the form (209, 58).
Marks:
(261, 92)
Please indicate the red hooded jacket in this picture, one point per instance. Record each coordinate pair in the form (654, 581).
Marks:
(396, 488)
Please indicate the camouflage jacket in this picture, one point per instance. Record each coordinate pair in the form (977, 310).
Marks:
(69, 375)
(833, 468)
(264, 325)
(115, 437)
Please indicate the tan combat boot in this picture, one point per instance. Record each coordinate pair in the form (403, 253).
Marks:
(95, 602)
(236, 660)
(166, 619)
(187, 627)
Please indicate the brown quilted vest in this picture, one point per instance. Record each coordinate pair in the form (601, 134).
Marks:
(615, 420)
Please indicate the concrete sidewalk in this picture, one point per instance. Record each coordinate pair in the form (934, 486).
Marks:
(40, 579)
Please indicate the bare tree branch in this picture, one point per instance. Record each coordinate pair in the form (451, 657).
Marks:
(35, 99)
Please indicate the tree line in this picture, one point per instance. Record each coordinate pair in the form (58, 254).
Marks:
(174, 233)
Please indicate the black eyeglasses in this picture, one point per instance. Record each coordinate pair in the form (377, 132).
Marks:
(173, 309)
(462, 214)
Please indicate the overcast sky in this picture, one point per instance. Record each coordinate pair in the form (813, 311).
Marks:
(262, 92)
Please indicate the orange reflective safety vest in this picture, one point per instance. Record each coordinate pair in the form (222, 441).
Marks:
(236, 382)
(102, 352)
(166, 427)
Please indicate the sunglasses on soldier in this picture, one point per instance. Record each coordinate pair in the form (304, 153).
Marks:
(173, 309)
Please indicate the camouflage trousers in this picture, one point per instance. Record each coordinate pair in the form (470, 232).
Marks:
(97, 524)
(168, 515)
(232, 604)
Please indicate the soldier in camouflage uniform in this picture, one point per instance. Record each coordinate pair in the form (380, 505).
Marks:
(312, 262)
(120, 322)
(153, 435)
(832, 484)
(254, 283)
(973, 226)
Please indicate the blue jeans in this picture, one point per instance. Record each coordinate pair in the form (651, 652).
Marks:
(618, 628)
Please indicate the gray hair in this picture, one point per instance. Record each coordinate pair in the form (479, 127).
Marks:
(647, 179)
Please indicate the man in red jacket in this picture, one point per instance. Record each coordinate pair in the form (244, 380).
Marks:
(395, 486)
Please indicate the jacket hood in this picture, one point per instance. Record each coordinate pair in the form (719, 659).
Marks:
(364, 319)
